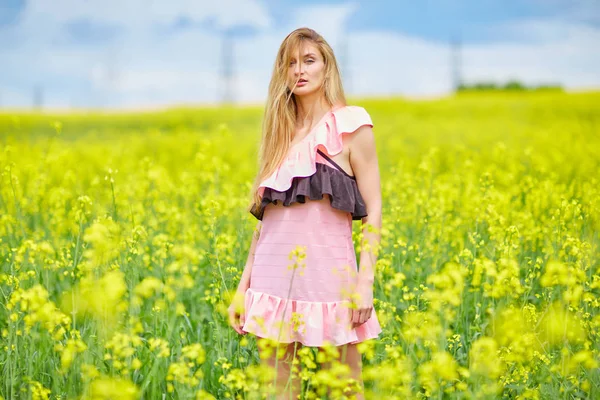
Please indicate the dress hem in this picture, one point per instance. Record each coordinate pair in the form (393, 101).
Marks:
(310, 323)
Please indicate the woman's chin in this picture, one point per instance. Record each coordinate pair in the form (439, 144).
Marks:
(302, 91)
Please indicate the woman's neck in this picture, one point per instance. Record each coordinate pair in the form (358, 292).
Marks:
(311, 109)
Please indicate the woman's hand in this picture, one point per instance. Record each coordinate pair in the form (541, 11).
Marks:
(362, 303)
(237, 315)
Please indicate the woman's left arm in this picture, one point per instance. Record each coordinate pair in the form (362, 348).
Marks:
(364, 162)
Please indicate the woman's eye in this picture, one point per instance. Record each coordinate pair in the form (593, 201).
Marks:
(307, 61)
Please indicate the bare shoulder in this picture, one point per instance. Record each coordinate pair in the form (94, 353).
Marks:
(363, 134)
(362, 124)
(362, 141)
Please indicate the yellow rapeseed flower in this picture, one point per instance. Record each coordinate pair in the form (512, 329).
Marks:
(559, 326)
(483, 358)
(107, 388)
(38, 391)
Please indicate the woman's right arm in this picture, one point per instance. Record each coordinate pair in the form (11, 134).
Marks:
(245, 280)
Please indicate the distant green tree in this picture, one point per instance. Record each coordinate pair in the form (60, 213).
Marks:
(511, 85)
(514, 85)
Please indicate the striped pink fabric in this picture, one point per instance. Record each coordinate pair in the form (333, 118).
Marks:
(305, 301)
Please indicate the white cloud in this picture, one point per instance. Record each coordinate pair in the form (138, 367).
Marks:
(548, 31)
(328, 20)
(384, 63)
(141, 14)
(550, 52)
(142, 68)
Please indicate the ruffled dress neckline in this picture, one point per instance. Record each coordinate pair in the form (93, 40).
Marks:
(321, 121)
(305, 174)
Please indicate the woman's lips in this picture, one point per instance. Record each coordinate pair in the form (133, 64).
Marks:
(301, 83)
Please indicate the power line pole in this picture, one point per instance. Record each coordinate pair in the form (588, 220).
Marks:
(112, 76)
(456, 63)
(227, 68)
(38, 96)
(344, 63)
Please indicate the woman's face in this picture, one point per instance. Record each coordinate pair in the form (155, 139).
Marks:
(306, 75)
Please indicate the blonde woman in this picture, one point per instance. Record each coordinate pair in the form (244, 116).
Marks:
(318, 171)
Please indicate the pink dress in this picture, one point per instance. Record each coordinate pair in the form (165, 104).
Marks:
(308, 206)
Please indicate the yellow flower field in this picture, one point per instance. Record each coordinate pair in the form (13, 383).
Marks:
(123, 236)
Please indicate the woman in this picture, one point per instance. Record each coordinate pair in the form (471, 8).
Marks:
(318, 172)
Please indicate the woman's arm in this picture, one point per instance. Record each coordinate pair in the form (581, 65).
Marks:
(363, 158)
(245, 280)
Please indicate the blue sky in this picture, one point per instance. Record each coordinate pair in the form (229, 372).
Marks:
(143, 53)
(440, 19)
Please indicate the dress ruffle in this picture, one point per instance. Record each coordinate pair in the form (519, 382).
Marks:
(343, 192)
(307, 322)
(302, 157)
(301, 162)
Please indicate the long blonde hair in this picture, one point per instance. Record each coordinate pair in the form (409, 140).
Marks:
(281, 109)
